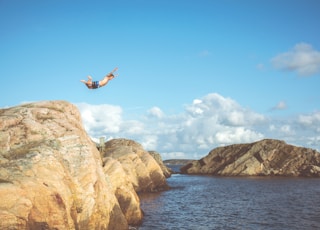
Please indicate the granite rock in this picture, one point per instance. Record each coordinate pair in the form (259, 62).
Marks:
(166, 171)
(140, 167)
(51, 174)
(263, 158)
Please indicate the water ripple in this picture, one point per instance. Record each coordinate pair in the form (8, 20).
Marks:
(204, 202)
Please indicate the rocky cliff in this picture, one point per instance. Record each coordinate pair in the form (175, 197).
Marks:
(142, 174)
(53, 177)
(265, 157)
(143, 171)
(166, 171)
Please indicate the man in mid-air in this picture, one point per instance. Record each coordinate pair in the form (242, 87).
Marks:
(97, 84)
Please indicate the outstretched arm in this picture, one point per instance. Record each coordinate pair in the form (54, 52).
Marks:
(114, 70)
(111, 75)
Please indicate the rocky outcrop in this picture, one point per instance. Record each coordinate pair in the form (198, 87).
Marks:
(52, 176)
(123, 189)
(132, 169)
(166, 171)
(265, 157)
(141, 168)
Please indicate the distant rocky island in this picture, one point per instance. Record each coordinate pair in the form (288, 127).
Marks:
(263, 158)
(177, 161)
(53, 176)
(175, 164)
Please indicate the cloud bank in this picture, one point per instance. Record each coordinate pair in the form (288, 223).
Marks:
(303, 59)
(205, 123)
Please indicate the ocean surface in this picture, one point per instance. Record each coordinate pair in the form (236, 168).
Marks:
(207, 202)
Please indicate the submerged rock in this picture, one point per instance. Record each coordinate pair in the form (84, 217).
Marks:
(266, 157)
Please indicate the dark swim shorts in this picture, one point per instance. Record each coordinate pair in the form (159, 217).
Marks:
(95, 84)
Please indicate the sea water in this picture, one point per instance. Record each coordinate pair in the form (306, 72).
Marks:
(207, 202)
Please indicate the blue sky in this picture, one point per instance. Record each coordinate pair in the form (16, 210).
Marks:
(194, 75)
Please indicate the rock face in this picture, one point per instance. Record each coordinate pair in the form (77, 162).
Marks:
(132, 169)
(166, 171)
(265, 157)
(123, 189)
(52, 176)
(142, 170)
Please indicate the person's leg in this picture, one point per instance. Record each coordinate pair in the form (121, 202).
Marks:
(106, 79)
(89, 79)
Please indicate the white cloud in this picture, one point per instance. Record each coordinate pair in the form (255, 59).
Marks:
(218, 109)
(303, 59)
(238, 135)
(286, 129)
(132, 127)
(310, 121)
(100, 119)
(206, 123)
(155, 112)
(150, 142)
(280, 106)
(175, 155)
(301, 130)
(197, 101)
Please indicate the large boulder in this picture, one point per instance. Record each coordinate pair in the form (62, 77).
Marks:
(132, 169)
(124, 191)
(265, 157)
(166, 171)
(141, 168)
(51, 174)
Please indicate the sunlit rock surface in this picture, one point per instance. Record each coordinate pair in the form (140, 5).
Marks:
(266, 157)
(166, 171)
(141, 168)
(51, 173)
